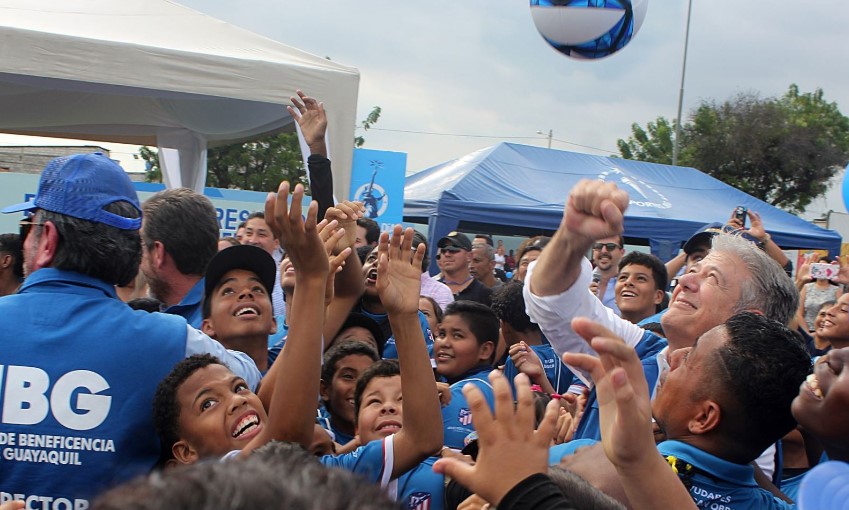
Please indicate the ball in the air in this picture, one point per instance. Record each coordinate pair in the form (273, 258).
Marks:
(588, 29)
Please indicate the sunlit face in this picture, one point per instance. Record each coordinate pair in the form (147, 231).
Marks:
(454, 259)
(607, 259)
(338, 393)
(426, 307)
(636, 292)
(381, 409)
(456, 349)
(680, 389)
(218, 413)
(705, 297)
(822, 406)
(522, 268)
(241, 307)
(258, 233)
(834, 326)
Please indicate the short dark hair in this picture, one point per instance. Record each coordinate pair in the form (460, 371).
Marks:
(486, 238)
(11, 244)
(419, 238)
(342, 350)
(658, 269)
(166, 408)
(185, 222)
(508, 304)
(147, 304)
(759, 372)
(276, 475)
(232, 241)
(480, 318)
(380, 368)
(372, 229)
(537, 243)
(95, 249)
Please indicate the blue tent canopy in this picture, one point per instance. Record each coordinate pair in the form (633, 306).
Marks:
(512, 188)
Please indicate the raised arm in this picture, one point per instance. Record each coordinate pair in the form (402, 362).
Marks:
(289, 391)
(348, 283)
(311, 118)
(625, 420)
(399, 286)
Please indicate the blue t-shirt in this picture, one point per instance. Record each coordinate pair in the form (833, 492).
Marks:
(418, 488)
(324, 420)
(390, 350)
(557, 373)
(456, 416)
(647, 349)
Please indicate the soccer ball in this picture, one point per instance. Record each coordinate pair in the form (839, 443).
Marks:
(588, 29)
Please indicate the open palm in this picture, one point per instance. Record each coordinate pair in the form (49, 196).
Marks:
(399, 272)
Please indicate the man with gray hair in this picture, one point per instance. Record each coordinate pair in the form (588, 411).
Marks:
(79, 367)
(482, 265)
(736, 276)
(179, 238)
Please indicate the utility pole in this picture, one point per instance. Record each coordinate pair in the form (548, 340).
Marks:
(675, 146)
(550, 136)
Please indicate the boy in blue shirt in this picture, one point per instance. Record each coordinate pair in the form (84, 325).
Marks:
(463, 353)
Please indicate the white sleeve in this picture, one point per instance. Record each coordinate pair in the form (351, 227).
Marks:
(554, 315)
(240, 363)
(387, 483)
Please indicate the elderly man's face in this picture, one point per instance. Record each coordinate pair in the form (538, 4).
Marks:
(706, 296)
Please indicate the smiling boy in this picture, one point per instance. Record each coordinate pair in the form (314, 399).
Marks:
(237, 308)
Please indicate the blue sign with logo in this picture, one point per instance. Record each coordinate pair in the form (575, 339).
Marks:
(377, 180)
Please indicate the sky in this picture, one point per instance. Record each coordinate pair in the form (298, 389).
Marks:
(480, 69)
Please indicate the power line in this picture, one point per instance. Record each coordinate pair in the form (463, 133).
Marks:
(465, 135)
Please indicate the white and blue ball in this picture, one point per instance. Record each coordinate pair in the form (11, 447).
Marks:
(588, 29)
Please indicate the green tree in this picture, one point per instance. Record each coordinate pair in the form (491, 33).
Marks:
(780, 150)
(259, 165)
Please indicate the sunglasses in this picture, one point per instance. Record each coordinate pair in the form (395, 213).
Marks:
(450, 249)
(609, 246)
(25, 226)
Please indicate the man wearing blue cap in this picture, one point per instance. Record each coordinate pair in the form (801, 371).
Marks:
(79, 368)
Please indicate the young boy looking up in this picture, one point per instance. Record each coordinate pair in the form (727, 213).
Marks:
(204, 411)
(463, 353)
(237, 308)
(395, 449)
(343, 364)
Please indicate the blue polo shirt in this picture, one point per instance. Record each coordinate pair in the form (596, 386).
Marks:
(189, 307)
(457, 416)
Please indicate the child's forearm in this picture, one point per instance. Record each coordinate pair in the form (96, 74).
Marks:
(296, 384)
(421, 433)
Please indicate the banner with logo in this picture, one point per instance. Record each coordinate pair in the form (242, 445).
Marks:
(377, 180)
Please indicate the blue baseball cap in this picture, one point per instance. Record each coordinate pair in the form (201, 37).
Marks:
(825, 486)
(702, 237)
(81, 186)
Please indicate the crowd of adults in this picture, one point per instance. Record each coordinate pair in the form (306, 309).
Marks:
(137, 344)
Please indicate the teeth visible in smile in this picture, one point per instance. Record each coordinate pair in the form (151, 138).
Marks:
(813, 384)
(246, 424)
(247, 310)
(627, 293)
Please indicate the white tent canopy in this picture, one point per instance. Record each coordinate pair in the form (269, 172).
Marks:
(152, 72)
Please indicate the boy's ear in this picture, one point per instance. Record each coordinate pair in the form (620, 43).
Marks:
(184, 453)
(485, 350)
(206, 327)
(273, 329)
(323, 390)
(658, 296)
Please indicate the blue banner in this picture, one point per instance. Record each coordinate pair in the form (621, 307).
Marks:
(377, 180)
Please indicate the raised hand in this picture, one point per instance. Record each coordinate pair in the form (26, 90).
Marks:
(595, 210)
(399, 272)
(623, 394)
(331, 235)
(526, 360)
(310, 116)
(346, 213)
(510, 450)
(299, 237)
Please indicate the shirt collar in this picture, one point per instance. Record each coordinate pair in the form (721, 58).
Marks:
(48, 276)
(730, 472)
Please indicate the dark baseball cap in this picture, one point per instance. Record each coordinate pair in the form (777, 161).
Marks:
(245, 256)
(455, 239)
(702, 237)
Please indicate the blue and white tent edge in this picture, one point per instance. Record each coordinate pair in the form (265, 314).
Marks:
(524, 188)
